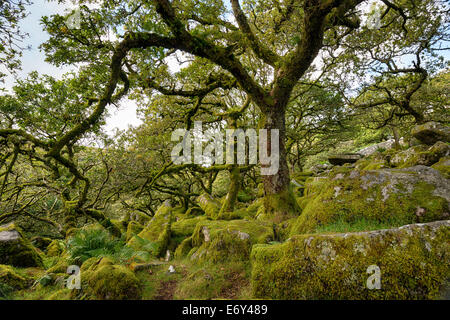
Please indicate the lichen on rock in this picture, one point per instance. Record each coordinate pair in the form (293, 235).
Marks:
(385, 195)
(16, 249)
(414, 261)
(102, 279)
(217, 241)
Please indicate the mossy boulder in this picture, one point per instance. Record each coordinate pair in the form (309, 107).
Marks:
(370, 150)
(16, 249)
(431, 132)
(443, 166)
(60, 266)
(217, 241)
(11, 278)
(413, 261)
(183, 248)
(133, 228)
(157, 231)
(185, 227)
(103, 280)
(393, 196)
(420, 155)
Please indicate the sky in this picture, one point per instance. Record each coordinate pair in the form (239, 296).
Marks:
(34, 60)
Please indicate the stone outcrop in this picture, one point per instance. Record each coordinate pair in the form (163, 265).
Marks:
(410, 262)
(16, 249)
(431, 132)
(391, 196)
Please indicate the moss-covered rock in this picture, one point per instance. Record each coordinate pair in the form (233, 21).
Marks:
(420, 155)
(16, 249)
(370, 164)
(11, 278)
(185, 227)
(401, 196)
(443, 166)
(106, 281)
(133, 228)
(414, 263)
(217, 241)
(157, 231)
(184, 248)
(431, 132)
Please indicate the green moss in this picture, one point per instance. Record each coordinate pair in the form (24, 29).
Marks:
(280, 206)
(107, 281)
(414, 263)
(70, 217)
(10, 277)
(18, 251)
(194, 211)
(356, 225)
(369, 164)
(228, 240)
(443, 166)
(214, 281)
(253, 208)
(184, 248)
(157, 231)
(373, 196)
(185, 227)
(62, 294)
(60, 266)
(419, 155)
(210, 206)
(133, 228)
(55, 248)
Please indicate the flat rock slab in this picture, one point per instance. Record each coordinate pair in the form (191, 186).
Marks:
(340, 159)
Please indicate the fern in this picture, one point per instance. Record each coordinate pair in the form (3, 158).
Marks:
(86, 244)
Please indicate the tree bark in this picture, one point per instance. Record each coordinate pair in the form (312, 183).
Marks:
(279, 201)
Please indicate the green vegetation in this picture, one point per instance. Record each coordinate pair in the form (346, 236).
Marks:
(361, 160)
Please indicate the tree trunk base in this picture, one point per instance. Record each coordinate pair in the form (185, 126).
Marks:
(281, 206)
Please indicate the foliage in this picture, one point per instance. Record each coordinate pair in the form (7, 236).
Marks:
(86, 244)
